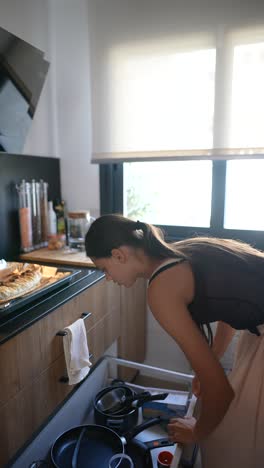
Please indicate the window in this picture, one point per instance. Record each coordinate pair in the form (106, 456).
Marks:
(209, 95)
(244, 207)
(169, 192)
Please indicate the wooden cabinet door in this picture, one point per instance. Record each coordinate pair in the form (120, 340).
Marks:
(132, 341)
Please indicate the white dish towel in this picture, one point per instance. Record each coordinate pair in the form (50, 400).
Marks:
(76, 352)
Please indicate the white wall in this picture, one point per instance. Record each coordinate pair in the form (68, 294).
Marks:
(62, 122)
(70, 48)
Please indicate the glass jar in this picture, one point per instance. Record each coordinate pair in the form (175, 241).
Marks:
(36, 213)
(25, 219)
(78, 224)
(44, 212)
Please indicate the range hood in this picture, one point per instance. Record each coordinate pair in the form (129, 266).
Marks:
(23, 70)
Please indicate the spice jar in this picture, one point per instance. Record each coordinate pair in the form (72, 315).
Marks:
(43, 188)
(36, 213)
(25, 221)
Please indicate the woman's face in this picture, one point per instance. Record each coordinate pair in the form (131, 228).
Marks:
(121, 267)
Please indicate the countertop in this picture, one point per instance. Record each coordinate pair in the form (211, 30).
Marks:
(64, 256)
(22, 318)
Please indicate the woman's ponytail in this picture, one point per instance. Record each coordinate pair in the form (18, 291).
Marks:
(113, 230)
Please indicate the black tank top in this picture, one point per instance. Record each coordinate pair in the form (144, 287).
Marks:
(227, 288)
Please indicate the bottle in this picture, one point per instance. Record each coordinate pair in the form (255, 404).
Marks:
(60, 208)
(44, 212)
(52, 220)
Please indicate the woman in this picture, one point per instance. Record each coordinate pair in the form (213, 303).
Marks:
(192, 283)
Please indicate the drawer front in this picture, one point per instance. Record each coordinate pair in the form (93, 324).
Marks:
(103, 334)
(23, 414)
(98, 301)
(19, 362)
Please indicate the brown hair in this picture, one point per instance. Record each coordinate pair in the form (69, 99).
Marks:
(113, 230)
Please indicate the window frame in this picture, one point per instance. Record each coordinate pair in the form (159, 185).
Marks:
(111, 201)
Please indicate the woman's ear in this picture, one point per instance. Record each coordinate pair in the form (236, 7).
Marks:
(119, 255)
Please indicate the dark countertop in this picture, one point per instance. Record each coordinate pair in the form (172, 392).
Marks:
(15, 322)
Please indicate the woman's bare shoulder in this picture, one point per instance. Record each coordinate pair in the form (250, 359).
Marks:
(176, 281)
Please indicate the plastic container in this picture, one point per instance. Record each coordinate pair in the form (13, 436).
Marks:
(57, 242)
(52, 220)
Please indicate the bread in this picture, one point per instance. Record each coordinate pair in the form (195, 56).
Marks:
(20, 282)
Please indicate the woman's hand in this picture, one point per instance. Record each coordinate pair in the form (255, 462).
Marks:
(196, 388)
(182, 430)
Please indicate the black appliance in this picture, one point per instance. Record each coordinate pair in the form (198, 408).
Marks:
(23, 70)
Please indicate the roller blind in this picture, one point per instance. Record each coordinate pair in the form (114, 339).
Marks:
(168, 95)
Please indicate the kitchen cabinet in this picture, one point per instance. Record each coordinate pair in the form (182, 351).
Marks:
(132, 339)
(32, 364)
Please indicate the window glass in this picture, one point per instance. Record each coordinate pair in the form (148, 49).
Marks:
(244, 179)
(244, 207)
(169, 192)
(247, 101)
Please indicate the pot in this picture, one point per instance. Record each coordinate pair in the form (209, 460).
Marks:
(117, 407)
(122, 421)
(91, 445)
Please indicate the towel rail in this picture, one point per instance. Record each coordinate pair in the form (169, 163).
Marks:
(84, 316)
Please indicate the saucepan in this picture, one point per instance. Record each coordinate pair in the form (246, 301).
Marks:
(92, 445)
(117, 407)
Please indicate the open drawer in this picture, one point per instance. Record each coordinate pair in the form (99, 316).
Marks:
(78, 410)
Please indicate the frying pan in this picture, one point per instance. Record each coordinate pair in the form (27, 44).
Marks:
(91, 445)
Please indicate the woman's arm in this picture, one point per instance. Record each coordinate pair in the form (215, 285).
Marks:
(168, 297)
(223, 336)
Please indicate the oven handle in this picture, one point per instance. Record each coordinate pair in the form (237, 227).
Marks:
(65, 379)
(85, 315)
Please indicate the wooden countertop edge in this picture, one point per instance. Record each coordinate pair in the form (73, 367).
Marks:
(68, 261)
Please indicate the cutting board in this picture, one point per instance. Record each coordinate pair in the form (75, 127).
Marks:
(62, 257)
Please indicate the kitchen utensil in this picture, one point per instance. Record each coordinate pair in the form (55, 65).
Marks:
(98, 444)
(121, 460)
(120, 422)
(115, 400)
(112, 400)
(125, 403)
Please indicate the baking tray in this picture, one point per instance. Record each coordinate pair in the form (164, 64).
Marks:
(46, 287)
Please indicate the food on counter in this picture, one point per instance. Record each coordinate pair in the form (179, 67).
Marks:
(20, 281)
(57, 242)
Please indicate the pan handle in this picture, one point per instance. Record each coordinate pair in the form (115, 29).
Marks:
(77, 448)
(145, 398)
(141, 427)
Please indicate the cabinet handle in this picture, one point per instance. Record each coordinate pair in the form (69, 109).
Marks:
(84, 316)
(65, 379)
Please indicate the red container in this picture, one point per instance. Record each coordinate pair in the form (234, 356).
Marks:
(164, 459)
